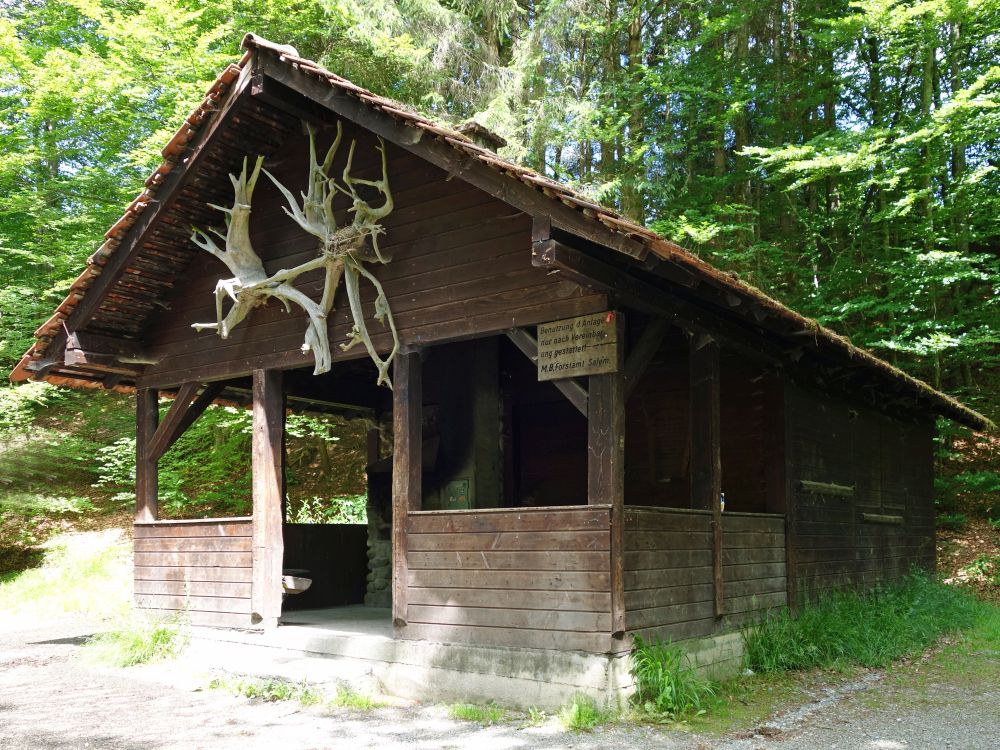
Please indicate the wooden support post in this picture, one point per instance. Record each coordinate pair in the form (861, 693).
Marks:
(407, 464)
(706, 458)
(147, 416)
(268, 471)
(606, 474)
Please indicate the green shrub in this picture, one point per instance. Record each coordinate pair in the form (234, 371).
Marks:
(665, 684)
(349, 509)
(581, 715)
(269, 689)
(952, 521)
(491, 713)
(139, 641)
(347, 698)
(870, 629)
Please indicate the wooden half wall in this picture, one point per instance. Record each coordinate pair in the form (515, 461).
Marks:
(524, 577)
(668, 571)
(201, 567)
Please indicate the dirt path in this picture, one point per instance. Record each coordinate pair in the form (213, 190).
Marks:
(50, 697)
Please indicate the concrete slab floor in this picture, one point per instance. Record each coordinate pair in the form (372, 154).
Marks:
(354, 619)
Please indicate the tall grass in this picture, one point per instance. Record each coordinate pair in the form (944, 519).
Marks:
(665, 684)
(139, 641)
(869, 629)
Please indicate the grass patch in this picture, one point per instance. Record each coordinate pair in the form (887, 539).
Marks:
(582, 715)
(667, 687)
(491, 713)
(140, 641)
(952, 521)
(347, 698)
(85, 573)
(267, 689)
(869, 629)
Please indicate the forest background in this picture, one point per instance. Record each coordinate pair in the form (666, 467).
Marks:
(842, 156)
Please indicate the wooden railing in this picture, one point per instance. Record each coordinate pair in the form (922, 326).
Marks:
(202, 567)
(528, 577)
(668, 579)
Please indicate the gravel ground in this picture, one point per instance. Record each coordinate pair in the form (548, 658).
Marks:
(50, 697)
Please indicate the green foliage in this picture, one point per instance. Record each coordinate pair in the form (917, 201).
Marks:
(486, 715)
(88, 573)
(139, 641)
(351, 509)
(870, 629)
(268, 690)
(666, 687)
(347, 698)
(20, 405)
(952, 521)
(582, 715)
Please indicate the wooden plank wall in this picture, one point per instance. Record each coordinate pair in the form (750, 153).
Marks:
(526, 577)
(668, 570)
(336, 556)
(461, 265)
(842, 537)
(200, 566)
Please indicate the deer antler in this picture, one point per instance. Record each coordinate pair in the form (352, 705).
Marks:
(341, 254)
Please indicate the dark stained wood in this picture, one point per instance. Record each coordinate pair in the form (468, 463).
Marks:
(578, 601)
(512, 577)
(335, 556)
(643, 352)
(268, 470)
(581, 518)
(706, 450)
(195, 544)
(213, 527)
(201, 573)
(147, 416)
(528, 540)
(194, 588)
(407, 421)
(606, 473)
(503, 187)
(235, 605)
(167, 431)
(571, 389)
(185, 558)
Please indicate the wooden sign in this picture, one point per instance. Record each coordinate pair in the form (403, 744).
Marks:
(588, 345)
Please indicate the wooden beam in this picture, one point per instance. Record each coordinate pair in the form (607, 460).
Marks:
(571, 389)
(650, 298)
(170, 428)
(706, 453)
(268, 469)
(643, 352)
(433, 149)
(407, 465)
(189, 416)
(606, 475)
(147, 414)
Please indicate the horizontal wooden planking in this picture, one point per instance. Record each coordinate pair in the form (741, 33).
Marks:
(531, 619)
(199, 559)
(166, 530)
(205, 619)
(518, 560)
(666, 540)
(193, 573)
(666, 559)
(753, 571)
(194, 544)
(435, 522)
(666, 520)
(507, 579)
(678, 631)
(665, 596)
(234, 605)
(745, 555)
(193, 588)
(559, 640)
(670, 576)
(637, 619)
(510, 541)
(581, 601)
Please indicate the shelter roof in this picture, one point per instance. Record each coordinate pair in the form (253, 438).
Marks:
(137, 286)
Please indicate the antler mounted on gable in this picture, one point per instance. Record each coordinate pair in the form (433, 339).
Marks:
(342, 253)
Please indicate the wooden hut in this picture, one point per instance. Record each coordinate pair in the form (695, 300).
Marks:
(571, 396)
